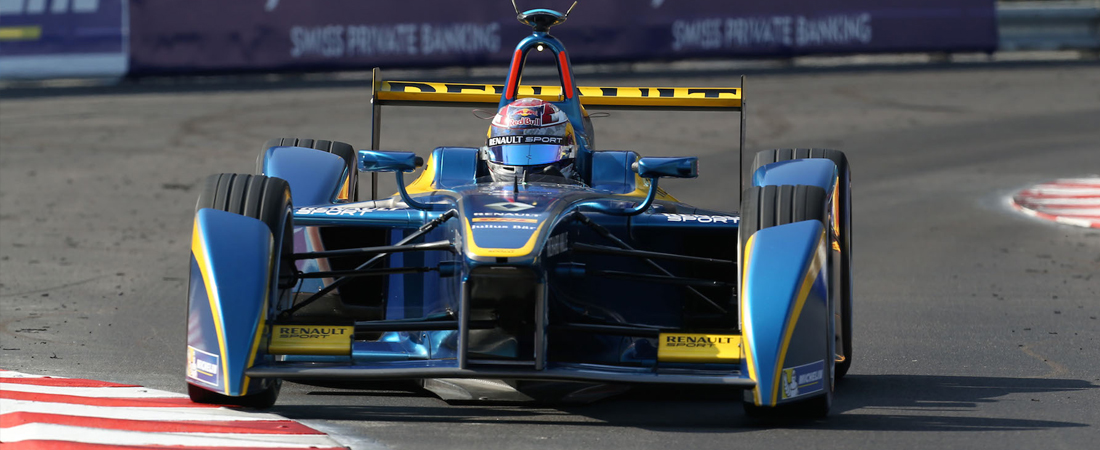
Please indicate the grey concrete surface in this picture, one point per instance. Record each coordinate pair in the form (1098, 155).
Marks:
(976, 327)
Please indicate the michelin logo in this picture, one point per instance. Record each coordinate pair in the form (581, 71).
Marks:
(206, 366)
(202, 366)
(30, 7)
(803, 380)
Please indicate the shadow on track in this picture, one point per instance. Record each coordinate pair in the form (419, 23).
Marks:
(864, 402)
(918, 403)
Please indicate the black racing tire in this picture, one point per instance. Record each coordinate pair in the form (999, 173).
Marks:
(769, 206)
(341, 149)
(844, 238)
(259, 197)
(262, 400)
(267, 199)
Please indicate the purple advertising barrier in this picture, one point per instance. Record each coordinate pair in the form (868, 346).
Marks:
(59, 38)
(666, 29)
(188, 36)
(180, 36)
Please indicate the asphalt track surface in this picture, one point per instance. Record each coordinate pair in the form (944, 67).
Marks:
(976, 327)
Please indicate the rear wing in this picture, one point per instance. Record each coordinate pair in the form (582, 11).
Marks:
(488, 95)
(417, 93)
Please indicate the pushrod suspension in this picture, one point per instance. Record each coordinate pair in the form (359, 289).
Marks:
(365, 272)
(426, 246)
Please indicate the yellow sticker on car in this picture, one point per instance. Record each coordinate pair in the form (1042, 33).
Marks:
(699, 348)
(310, 340)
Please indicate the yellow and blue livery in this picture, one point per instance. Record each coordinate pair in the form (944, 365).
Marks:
(605, 279)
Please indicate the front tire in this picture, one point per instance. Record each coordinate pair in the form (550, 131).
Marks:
(342, 149)
(769, 206)
(843, 277)
(268, 200)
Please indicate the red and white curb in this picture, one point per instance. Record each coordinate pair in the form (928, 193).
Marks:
(39, 412)
(1072, 201)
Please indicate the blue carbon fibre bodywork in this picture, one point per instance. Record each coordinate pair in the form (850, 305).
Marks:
(314, 176)
(784, 304)
(611, 171)
(813, 172)
(202, 333)
(227, 299)
(420, 295)
(454, 166)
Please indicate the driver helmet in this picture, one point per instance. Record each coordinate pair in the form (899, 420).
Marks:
(530, 137)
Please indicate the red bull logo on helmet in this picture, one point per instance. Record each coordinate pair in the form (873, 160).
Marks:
(524, 116)
(529, 113)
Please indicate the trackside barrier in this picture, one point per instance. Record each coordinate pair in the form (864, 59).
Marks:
(112, 38)
(63, 38)
(211, 36)
(1049, 26)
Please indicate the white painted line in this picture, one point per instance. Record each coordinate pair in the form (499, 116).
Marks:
(133, 413)
(1076, 212)
(1093, 181)
(37, 431)
(96, 392)
(1062, 201)
(353, 441)
(1077, 222)
(10, 374)
(1026, 211)
(1059, 191)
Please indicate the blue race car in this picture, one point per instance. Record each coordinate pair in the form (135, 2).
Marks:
(535, 259)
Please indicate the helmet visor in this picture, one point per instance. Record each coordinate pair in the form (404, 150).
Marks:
(526, 154)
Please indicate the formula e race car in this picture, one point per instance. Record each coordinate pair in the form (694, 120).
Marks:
(591, 280)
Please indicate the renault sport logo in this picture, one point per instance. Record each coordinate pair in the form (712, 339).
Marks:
(509, 206)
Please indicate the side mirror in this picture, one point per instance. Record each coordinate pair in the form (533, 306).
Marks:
(687, 167)
(654, 169)
(377, 161)
(398, 163)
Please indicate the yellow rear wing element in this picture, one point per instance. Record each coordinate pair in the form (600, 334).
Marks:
(488, 95)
